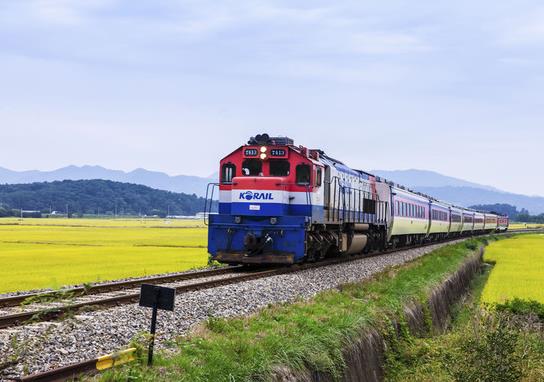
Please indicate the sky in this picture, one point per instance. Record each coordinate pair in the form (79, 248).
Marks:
(454, 87)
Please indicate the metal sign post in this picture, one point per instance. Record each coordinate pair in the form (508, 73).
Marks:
(156, 297)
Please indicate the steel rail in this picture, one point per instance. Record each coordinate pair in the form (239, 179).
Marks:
(55, 313)
(16, 300)
(75, 370)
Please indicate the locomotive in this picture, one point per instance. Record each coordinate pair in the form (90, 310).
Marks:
(284, 204)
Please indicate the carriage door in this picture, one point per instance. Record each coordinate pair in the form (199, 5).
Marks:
(327, 191)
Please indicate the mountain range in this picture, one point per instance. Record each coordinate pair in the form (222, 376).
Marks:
(154, 179)
(455, 190)
(459, 191)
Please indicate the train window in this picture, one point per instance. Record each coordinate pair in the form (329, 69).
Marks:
(279, 167)
(252, 167)
(303, 174)
(318, 177)
(228, 172)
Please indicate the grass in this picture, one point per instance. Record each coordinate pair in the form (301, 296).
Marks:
(50, 253)
(519, 269)
(484, 343)
(311, 333)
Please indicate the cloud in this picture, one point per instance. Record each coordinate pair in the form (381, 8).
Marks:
(525, 29)
(517, 61)
(384, 42)
(52, 12)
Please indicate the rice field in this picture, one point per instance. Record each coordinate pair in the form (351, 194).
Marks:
(103, 222)
(519, 269)
(524, 225)
(51, 253)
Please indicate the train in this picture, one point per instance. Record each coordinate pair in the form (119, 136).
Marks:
(285, 204)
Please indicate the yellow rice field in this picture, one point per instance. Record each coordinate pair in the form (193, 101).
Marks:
(524, 225)
(50, 253)
(519, 269)
(99, 222)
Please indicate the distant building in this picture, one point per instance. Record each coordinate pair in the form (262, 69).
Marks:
(31, 214)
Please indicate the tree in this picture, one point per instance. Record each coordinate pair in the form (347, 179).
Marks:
(88, 196)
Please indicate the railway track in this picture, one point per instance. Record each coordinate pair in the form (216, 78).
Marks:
(73, 371)
(92, 366)
(215, 278)
(59, 309)
(17, 300)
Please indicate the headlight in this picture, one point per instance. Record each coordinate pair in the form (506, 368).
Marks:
(263, 149)
(263, 156)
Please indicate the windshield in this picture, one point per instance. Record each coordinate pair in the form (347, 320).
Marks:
(252, 167)
(279, 167)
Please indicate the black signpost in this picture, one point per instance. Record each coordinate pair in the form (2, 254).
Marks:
(156, 297)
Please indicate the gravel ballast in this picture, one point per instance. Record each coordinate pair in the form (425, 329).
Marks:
(47, 345)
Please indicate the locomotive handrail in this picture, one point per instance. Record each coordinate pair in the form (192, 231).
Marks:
(348, 204)
(206, 211)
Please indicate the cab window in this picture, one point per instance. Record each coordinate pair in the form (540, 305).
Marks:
(279, 167)
(303, 174)
(228, 172)
(252, 167)
(318, 177)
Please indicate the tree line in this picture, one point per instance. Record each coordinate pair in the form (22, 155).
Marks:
(95, 197)
(511, 211)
